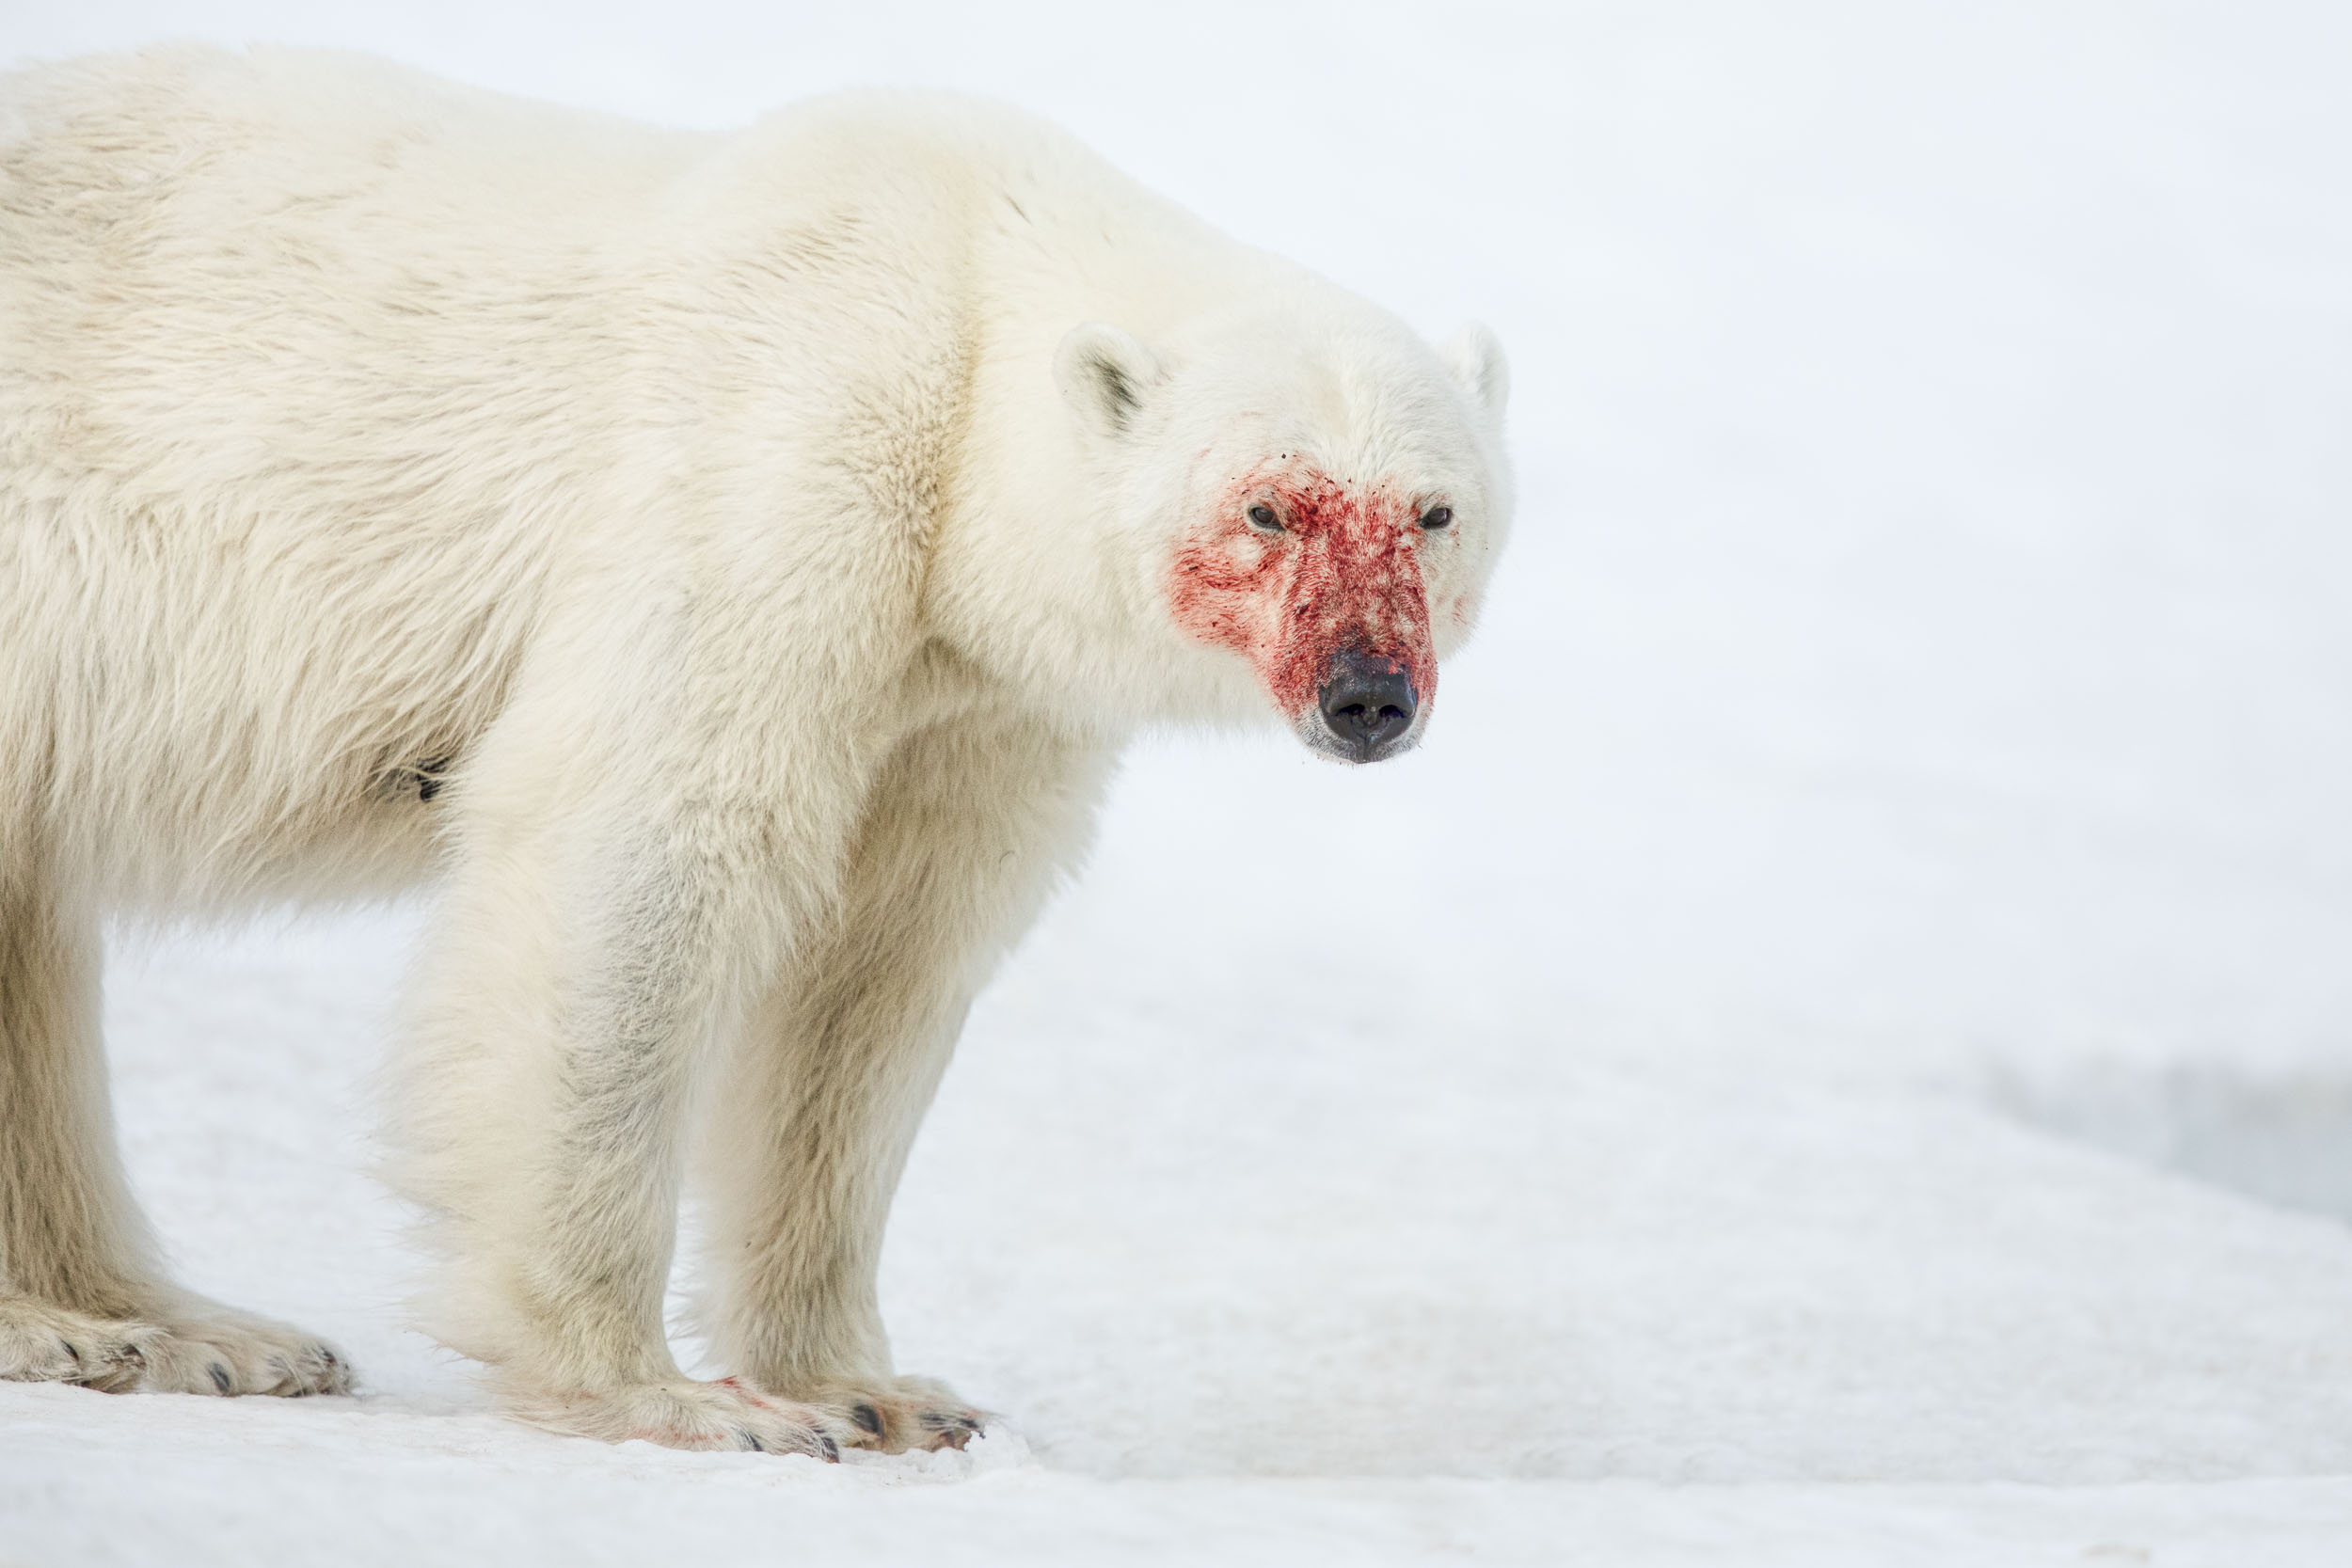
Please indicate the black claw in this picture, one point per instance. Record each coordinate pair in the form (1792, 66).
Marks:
(221, 1379)
(72, 1351)
(829, 1448)
(947, 1420)
(751, 1440)
(954, 1430)
(866, 1416)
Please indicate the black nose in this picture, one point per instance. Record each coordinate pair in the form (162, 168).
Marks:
(1367, 705)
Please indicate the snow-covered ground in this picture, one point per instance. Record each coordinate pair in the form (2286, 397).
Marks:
(1839, 1050)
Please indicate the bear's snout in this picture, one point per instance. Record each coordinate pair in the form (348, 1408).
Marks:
(1367, 705)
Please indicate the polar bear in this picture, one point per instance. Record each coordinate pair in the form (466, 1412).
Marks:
(724, 567)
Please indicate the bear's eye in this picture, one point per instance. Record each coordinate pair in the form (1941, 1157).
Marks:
(1436, 516)
(1264, 516)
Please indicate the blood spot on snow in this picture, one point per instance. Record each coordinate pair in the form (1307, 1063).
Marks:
(1340, 575)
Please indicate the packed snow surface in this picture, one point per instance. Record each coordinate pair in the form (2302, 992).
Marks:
(1839, 1048)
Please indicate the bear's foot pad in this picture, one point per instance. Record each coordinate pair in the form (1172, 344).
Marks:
(187, 1348)
(207, 1349)
(727, 1415)
(41, 1343)
(902, 1413)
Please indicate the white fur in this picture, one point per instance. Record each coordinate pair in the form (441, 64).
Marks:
(755, 545)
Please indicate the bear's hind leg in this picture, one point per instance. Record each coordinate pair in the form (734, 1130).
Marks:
(81, 1300)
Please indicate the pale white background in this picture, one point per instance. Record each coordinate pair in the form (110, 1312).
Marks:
(1838, 1049)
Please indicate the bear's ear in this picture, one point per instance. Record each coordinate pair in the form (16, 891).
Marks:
(1106, 374)
(1476, 361)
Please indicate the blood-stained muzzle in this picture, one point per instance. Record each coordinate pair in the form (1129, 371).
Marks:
(1318, 584)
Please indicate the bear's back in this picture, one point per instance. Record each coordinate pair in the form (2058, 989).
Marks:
(338, 381)
(274, 255)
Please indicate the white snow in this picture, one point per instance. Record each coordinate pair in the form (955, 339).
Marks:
(1689, 1112)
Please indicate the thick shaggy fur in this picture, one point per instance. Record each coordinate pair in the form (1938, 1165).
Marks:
(726, 567)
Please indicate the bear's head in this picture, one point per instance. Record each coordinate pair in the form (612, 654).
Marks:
(1317, 498)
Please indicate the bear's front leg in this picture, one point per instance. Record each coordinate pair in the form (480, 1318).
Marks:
(965, 830)
(596, 937)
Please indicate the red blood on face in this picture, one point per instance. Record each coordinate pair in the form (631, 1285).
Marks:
(1342, 574)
